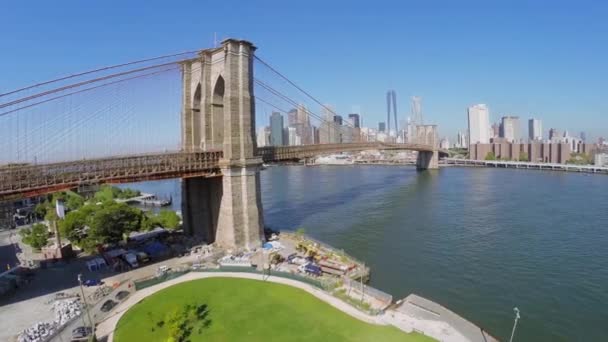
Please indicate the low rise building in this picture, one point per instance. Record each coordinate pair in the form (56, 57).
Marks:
(537, 152)
(601, 159)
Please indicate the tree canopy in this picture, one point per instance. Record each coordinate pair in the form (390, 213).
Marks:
(490, 156)
(109, 193)
(36, 237)
(164, 218)
(94, 225)
(580, 159)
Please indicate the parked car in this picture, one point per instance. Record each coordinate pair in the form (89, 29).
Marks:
(92, 282)
(108, 305)
(122, 295)
(81, 333)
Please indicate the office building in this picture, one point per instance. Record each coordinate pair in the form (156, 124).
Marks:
(553, 134)
(263, 136)
(276, 129)
(461, 140)
(601, 159)
(355, 120)
(535, 130)
(292, 117)
(510, 128)
(391, 102)
(326, 128)
(495, 131)
(381, 127)
(338, 119)
(479, 124)
(303, 126)
(294, 138)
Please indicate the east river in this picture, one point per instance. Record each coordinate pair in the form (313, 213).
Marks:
(478, 241)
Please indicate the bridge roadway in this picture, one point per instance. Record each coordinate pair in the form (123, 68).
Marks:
(27, 180)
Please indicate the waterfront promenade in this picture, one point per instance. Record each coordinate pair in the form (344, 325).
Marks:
(526, 165)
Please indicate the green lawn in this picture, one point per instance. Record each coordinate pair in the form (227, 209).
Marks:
(250, 310)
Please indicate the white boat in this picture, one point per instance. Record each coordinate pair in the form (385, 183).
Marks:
(335, 159)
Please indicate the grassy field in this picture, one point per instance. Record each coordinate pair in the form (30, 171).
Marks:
(249, 310)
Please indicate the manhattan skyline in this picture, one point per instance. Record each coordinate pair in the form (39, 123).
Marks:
(518, 58)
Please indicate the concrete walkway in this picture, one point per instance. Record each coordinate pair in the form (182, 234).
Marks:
(107, 327)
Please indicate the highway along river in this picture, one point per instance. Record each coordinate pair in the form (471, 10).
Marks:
(479, 241)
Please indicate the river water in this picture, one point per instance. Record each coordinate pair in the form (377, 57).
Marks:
(478, 241)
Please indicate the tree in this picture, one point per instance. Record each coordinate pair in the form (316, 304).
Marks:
(36, 237)
(490, 156)
(181, 322)
(41, 208)
(168, 219)
(109, 193)
(74, 223)
(523, 156)
(106, 193)
(73, 201)
(112, 221)
(580, 159)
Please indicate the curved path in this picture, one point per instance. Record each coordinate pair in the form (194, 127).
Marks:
(106, 327)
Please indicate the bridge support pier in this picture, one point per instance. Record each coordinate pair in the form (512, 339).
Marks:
(240, 222)
(218, 112)
(427, 160)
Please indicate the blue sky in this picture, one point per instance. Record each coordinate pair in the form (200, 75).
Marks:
(545, 59)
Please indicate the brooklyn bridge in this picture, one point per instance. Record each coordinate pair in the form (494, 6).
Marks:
(108, 125)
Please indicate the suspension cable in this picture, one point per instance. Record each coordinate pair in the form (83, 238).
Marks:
(293, 84)
(75, 85)
(98, 70)
(85, 90)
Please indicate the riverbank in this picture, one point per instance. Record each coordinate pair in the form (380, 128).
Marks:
(526, 165)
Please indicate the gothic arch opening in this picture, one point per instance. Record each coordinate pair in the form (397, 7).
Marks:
(217, 116)
(196, 117)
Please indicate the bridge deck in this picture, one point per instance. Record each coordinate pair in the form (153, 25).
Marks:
(26, 180)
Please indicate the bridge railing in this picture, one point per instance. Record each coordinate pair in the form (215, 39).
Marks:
(23, 178)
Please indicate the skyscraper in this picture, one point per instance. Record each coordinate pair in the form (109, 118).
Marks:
(583, 136)
(535, 129)
(391, 99)
(294, 138)
(510, 128)
(553, 133)
(263, 136)
(381, 127)
(479, 124)
(338, 119)
(303, 127)
(495, 130)
(292, 117)
(326, 128)
(276, 129)
(355, 120)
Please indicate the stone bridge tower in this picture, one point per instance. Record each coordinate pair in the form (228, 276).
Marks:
(427, 135)
(218, 113)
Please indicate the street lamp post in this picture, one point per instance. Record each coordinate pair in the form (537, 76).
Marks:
(86, 305)
(517, 317)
